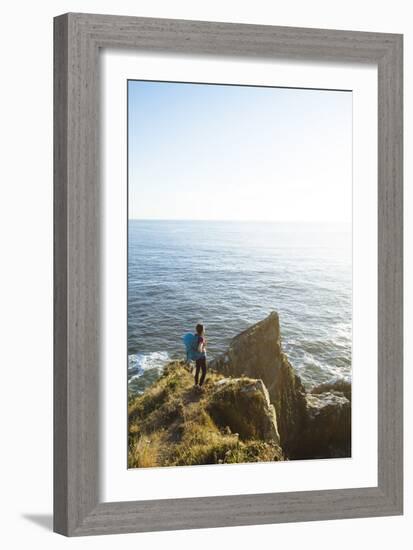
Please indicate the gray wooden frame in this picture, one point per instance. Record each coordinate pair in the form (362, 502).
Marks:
(77, 506)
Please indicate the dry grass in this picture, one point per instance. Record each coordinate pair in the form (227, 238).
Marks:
(170, 426)
(144, 452)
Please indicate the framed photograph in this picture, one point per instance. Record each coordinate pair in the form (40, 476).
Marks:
(228, 274)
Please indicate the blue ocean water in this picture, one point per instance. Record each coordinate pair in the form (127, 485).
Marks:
(230, 275)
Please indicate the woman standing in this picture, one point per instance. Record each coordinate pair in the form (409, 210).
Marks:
(200, 363)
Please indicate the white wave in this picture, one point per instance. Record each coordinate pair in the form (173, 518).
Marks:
(138, 363)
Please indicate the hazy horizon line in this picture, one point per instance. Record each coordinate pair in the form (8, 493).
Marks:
(340, 222)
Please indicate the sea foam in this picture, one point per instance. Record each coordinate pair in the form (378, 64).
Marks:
(139, 363)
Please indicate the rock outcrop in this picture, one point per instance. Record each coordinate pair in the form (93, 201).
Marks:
(328, 432)
(311, 425)
(257, 353)
(243, 405)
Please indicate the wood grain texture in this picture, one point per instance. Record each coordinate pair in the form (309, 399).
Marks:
(390, 273)
(60, 278)
(78, 39)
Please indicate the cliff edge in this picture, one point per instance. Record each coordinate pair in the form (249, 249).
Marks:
(312, 424)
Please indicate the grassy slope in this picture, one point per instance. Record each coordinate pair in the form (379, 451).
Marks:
(171, 425)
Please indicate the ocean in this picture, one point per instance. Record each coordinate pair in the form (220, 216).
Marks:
(229, 275)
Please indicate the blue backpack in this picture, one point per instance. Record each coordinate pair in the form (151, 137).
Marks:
(191, 346)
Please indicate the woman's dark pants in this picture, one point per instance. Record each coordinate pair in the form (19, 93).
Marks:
(200, 365)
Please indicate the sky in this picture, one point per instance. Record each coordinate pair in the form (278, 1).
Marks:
(218, 152)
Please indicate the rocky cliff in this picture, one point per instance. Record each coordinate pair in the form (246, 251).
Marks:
(314, 424)
(252, 408)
